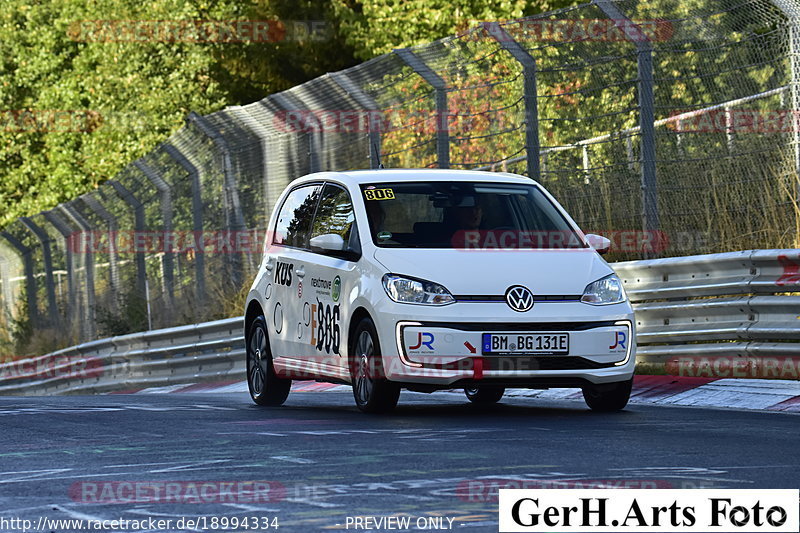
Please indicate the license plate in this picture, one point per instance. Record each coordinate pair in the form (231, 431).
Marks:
(525, 343)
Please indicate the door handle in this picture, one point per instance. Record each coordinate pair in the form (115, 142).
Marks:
(270, 264)
(300, 272)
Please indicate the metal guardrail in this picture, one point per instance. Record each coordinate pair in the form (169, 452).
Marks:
(730, 304)
(734, 304)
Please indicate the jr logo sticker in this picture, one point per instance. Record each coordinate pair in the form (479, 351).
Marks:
(336, 289)
(283, 273)
(423, 339)
(620, 341)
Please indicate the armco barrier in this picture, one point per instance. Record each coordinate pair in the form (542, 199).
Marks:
(735, 304)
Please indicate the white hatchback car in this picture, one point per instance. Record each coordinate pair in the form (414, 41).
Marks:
(434, 279)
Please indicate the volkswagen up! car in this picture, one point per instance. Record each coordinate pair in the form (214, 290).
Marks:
(434, 279)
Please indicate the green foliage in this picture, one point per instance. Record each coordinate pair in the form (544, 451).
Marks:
(129, 316)
(375, 27)
(126, 97)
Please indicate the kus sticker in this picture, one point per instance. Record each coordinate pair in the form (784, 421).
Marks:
(283, 273)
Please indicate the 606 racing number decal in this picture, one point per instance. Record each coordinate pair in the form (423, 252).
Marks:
(325, 330)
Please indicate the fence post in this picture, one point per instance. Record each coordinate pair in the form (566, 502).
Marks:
(792, 12)
(49, 281)
(66, 232)
(233, 207)
(532, 146)
(373, 114)
(197, 217)
(442, 113)
(113, 228)
(88, 328)
(165, 194)
(644, 65)
(30, 280)
(138, 227)
(290, 103)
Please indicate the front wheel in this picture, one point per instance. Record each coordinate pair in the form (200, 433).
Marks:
(609, 396)
(373, 393)
(484, 395)
(265, 387)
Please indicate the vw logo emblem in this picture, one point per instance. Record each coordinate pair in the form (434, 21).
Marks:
(519, 298)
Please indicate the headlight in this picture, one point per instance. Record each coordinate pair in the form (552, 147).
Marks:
(416, 291)
(604, 291)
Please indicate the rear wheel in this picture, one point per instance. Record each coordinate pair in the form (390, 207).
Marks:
(372, 392)
(484, 395)
(265, 387)
(608, 396)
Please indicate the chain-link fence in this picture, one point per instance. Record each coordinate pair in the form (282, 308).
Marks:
(670, 127)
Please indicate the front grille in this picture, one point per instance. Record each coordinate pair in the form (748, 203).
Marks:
(541, 363)
(519, 326)
(467, 298)
(525, 363)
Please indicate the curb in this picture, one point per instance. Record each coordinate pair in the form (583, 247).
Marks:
(732, 393)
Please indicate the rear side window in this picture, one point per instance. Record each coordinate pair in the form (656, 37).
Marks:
(294, 218)
(334, 214)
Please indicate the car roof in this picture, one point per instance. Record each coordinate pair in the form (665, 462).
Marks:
(358, 177)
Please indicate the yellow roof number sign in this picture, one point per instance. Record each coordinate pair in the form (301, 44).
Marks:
(379, 194)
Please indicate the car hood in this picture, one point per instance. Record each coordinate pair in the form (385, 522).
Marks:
(491, 272)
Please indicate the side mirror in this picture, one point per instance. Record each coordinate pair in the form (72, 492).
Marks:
(330, 242)
(599, 243)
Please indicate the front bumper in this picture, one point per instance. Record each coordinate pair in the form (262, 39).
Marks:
(437, 347)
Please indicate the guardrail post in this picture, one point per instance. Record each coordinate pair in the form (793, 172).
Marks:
(66, 232)
(532, 147)
(233, 207)
(113, 228)
(197, 217)
(30, 280)
(165, 194)
(138, 226)
(50, 285)
(442, 113)
(88, 326)
(644, 65)
(373, 114)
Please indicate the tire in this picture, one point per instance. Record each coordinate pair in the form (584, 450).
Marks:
(372, 392)
(265, 387)
(608, 397)
(485, 395)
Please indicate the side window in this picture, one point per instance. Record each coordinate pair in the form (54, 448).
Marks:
(294, 218)
(335, 214)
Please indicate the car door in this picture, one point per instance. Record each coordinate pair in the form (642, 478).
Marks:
(286, 264)
(330, 277)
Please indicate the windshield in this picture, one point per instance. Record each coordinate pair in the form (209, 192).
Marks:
(477, 215)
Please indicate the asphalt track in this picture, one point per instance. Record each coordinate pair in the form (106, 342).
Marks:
(436, 456)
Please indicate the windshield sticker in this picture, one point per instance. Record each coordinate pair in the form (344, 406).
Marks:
(379, 194)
